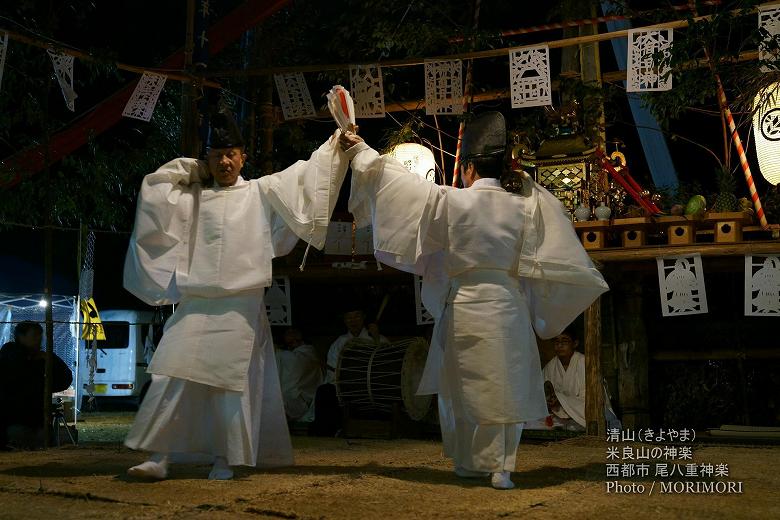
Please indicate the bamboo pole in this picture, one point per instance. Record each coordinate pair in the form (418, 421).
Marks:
(48, 288)
(595, 20)
(84, 56)
(189, 109)
(472, 55)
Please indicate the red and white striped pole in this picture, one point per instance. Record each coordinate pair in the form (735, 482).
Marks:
(466, 98)
(742, 156)
(462, 127)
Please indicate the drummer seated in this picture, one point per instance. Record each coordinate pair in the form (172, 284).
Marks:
(327, 411)
(300, 374)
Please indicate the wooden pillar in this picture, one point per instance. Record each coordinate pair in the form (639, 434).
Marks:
(267, 123)
(594, 393)
(190, 147)
(633, 355)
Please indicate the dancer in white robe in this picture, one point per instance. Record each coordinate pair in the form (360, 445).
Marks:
(496, 267)
(204, 239)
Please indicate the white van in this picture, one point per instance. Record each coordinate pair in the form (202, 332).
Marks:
(121, 358)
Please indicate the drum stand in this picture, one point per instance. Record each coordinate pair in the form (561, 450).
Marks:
(58, 421)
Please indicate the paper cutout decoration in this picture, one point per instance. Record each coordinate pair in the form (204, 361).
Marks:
(367, 90)
(339, 239)
(3, 48)
(364, 241)
(681, 282)
(645, 47)
(277, 301)
(762, 285)
(443, 87)
(529, 76)
(144, 99)
(423, 316)
(63, 69)
(769, 23)
(294, 96)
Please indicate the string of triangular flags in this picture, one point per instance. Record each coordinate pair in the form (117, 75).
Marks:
(529, 76)
(140, 105)
(683, 291)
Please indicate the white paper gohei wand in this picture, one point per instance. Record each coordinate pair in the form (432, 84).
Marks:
(342, 108)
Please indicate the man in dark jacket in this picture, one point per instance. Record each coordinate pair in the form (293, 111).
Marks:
(22, 380)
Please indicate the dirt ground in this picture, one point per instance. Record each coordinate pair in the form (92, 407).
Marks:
(350, 479)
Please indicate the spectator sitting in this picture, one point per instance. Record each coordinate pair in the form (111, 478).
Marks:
(22, 381)
(299, 376)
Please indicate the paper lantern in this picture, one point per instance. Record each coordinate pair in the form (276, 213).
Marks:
(417, 159)
(766, 127)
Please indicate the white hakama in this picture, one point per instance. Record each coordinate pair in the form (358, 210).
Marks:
(195, 422)
(215, 390)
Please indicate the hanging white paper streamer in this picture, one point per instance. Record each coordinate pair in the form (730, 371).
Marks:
(766, 128)
(144, 99)
(63, 69)
(3, 48)
(277, 301)
(443, 87)
(644, 46)
(681, 283)
(364, 241)
(529, 76)
(769, 21)
(367, 90)
(762, 285)
(423, 316)
(339, 238)
(294, 96)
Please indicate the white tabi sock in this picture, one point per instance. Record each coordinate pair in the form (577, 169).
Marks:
(154, 468)
(501, 480)
(221, 470)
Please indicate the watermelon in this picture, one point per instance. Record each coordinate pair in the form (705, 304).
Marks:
(696, 206)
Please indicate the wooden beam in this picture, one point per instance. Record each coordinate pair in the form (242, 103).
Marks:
(594, 393)
(84, 56)
(652, 252)
(501, 94)
(489, 53)
(695, 355)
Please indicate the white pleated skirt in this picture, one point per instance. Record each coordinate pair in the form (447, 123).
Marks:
(194, 423)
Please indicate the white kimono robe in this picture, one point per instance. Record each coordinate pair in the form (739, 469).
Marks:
(496, 267)
(569, 385)
(215, 388)
(300, 374)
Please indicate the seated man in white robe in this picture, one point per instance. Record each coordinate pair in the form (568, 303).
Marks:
(496, 267)
(328, 414)
(564, 383)
(204, 239)
(564, 387)
(300, 374)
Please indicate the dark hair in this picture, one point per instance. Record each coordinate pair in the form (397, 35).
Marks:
(488, 167)
(24, 327)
